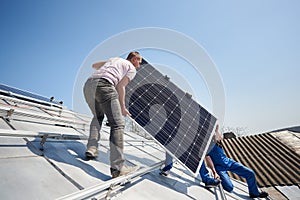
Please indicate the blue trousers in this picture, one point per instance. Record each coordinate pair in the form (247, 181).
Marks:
(240, 170)
(203, 170)
(168, 163)
(205, 174)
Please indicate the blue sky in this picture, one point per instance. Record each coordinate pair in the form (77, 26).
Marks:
(255, 46)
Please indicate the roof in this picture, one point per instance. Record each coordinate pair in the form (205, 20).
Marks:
(273, 156)
(42, 147)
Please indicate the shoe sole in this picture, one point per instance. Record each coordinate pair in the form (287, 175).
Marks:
(90, 155)
(211, 186)
(163, 174)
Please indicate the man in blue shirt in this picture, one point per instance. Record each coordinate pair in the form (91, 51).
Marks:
(221, 164)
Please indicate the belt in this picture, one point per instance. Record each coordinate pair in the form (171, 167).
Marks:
(102, 80)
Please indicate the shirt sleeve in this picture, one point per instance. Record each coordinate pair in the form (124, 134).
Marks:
(131, 72)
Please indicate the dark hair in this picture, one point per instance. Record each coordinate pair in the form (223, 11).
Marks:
(132, 55)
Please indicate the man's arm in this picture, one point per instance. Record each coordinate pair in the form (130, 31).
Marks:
(218, 135)
(210, 164)
(121, 91)
(97, 65)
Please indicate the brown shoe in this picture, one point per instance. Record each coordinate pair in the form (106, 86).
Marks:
(91, 152)
(124, 171)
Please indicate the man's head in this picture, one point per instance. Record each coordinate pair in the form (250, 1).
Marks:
(135, 58)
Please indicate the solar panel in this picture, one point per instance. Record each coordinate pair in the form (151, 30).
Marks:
(182, 126)
(24, 95)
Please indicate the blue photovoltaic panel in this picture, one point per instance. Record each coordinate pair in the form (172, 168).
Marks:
(182, 126)
(24, 95)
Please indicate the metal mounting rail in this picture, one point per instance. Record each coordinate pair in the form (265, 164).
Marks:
(28, 103)
(49, 135)
(222, 193)
(22, 133)
(97, 189)
(17, 112)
